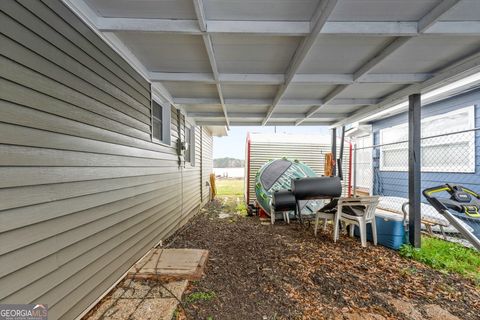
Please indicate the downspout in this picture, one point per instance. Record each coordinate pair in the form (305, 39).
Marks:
(201, 166)
(340, 158)
(181, 168)
(247, 187)
(334, 150)
(350, 170)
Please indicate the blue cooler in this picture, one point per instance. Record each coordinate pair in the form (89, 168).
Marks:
(390, 230)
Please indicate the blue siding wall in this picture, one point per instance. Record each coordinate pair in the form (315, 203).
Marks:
(391, 183)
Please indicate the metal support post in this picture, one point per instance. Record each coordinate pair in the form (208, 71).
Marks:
(334, 150)
(414, 169)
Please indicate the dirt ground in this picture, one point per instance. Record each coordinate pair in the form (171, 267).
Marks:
(283, 272)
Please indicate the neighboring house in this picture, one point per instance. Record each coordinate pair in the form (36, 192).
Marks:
(90, 175)
(453, 158)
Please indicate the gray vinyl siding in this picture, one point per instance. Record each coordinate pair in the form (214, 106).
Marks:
(84, 193)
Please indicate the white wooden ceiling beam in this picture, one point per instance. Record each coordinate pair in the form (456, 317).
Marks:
(327, 79)
(287, 28)
(207, 40)
(245, 115)
(434, 15)
(260, 115)
(359, 74)
(321, 15)
(277, 79)
(371, 28)
(267, 102)
(280, 28)
(200, 13)
(182, 76)
(404, 78)
(454, 72)
(244, 102)
(382, 55)
(352, 102)
(267, 79)
(259, 123)
(426, 23)
(149, 25)
(197, 101)
(455, 28)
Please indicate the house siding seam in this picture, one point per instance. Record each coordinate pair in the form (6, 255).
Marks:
(84, 193)
(396, 183)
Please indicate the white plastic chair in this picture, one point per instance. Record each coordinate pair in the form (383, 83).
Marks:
(325, 216)
(366, 215)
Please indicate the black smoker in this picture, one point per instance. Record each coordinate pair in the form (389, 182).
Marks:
(311, 188)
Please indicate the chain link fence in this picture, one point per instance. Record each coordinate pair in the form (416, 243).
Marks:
(382, 169)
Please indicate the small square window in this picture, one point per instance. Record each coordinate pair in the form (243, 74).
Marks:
(160, 123)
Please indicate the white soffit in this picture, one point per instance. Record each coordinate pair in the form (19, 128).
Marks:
(294, 62)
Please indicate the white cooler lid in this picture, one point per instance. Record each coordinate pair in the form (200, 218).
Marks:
(388, 215)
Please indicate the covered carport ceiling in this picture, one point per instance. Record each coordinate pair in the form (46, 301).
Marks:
(290, 62)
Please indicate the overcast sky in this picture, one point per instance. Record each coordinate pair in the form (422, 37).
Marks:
(233, 145)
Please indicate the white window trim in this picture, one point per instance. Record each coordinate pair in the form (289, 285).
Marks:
(425, 143)
(166, 122)
(192, 143)
(400, 146)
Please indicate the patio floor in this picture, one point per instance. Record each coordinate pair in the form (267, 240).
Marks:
(282, 272)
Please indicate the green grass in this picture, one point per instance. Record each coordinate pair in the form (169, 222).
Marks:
(200, 296)
(446, 256)
(229, 187)
(241, 208)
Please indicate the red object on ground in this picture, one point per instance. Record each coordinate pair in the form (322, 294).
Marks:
(262, 213)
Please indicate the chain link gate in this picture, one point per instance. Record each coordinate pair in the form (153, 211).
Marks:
(454, 158)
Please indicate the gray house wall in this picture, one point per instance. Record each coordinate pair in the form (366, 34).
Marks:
(84, 192)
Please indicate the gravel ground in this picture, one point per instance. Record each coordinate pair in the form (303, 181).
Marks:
(284, 272)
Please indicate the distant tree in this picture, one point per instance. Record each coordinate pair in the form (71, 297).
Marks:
(228, 163)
